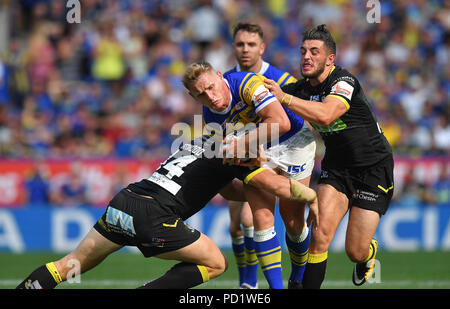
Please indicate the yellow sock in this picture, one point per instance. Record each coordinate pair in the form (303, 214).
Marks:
(204, 272)
(317, 258)
(54, 272)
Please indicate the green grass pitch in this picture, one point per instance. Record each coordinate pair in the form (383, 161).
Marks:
(125, 270)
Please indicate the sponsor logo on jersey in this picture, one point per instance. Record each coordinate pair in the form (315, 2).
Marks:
(121, 220)
(240, 105)
(315, 98)
(261, 96)
(295, 169)
(365, 195)
(343, 88)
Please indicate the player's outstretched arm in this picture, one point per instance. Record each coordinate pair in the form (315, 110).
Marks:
(283, 187)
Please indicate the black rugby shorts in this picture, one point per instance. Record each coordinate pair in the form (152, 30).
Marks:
(368, 187)
(134, 220)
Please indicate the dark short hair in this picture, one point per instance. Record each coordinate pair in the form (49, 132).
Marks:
(249, 27)
(321, 33)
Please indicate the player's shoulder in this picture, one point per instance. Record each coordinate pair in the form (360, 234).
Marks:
(280, 76)
(340, 74)
(240, 79)
(296, 86)
(233, 70)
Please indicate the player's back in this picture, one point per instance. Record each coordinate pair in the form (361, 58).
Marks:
(190, 177)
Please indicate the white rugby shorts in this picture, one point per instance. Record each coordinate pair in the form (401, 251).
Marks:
(294, 157)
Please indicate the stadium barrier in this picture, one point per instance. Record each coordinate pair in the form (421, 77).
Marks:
(403, 228)
(103, 176)
(27, 227)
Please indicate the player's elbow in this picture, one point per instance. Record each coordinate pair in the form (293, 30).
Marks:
(284, 125)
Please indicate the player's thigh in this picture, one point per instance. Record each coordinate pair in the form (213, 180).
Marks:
(262, 204)
(93, 249)
(203, 251)
(362, 224)
(332, 207)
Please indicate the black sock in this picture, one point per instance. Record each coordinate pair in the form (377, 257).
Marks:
(315, 271)
(43, 277)
(180, 276)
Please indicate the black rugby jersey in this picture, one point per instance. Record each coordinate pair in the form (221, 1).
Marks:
(190, 177)
(355, 139)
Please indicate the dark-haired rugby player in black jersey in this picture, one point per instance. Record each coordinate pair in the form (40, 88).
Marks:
(150, 215)
(357, 168)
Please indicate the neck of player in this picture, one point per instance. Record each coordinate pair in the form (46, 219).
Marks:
(314, 81)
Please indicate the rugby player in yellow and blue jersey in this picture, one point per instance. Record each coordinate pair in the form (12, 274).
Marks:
(248, 48)
(240, 98)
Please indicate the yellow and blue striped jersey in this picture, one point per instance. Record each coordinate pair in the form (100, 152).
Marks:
(269, 71)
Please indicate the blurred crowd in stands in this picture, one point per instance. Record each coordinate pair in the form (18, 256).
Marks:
(109, 86)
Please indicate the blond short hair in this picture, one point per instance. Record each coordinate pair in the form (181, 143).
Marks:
(194, 71)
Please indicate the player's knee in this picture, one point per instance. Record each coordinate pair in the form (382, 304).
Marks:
(356, 254)
(321, 240)
(219, 266)
(263, 220)
(293, 216)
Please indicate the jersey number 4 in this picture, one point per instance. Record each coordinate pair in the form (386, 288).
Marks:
(174, 167)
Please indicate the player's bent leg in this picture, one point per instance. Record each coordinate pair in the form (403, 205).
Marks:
(332, 207)
(293, 213)
(297, 238)
(201, 261)
(269, 181)
(362, 224)
(360, 246)
(267, 244)
(262, 205)
(93, 249)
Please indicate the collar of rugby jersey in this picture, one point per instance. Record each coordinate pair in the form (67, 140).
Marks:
(263, 69)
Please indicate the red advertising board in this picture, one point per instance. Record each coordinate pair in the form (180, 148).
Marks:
(104, 177)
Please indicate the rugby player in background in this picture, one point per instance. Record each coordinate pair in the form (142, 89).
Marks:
(236, 100)
(248, 48)
(357, 168)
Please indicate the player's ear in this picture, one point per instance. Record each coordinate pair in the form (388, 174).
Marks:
(263, 48)
(219, 74)
(330, 59)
